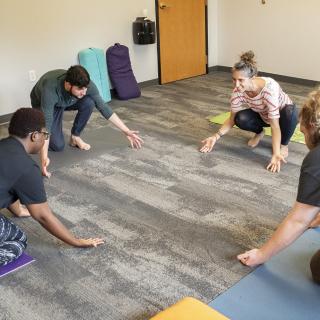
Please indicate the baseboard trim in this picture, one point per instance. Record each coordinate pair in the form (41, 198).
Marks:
(148, 83)
(278, 77)
(5, 118)
(214, 68)
(305, 82)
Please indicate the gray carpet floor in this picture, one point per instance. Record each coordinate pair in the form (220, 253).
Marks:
(173, 219)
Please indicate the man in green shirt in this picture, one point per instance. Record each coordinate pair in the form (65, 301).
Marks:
(60, 90)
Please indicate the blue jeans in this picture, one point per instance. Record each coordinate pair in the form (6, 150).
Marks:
(13, 241)
(250, 120)
(84, 107)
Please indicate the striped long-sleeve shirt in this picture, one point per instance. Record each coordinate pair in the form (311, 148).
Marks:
(267, 103)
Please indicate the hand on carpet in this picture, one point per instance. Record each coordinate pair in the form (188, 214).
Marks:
(252, 258)
(44, 167)
(275, 163)
(135, 141)
(91, 242)
(208, 144)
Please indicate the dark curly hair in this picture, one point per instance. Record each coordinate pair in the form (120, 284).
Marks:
(78, 76)
(26, 120)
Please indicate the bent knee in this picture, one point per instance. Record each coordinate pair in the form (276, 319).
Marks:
(240, 119)
(315, 267)
(86, 102)
(56, 147)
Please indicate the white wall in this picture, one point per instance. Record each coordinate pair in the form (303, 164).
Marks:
(43, 35)
(213, 32)
(284, 34)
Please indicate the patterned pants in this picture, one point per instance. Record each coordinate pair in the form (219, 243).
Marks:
(13, 241)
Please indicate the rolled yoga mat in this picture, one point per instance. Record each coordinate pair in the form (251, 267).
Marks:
(93, 60)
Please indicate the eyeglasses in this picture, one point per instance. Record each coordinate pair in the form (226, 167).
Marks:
(46, 134)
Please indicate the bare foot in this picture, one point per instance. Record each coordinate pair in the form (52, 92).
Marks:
(253, 142)
(19, 210)
(315, 222)
(76, 141)
(284, 151)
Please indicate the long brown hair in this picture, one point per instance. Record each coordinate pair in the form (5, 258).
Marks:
(310, 118)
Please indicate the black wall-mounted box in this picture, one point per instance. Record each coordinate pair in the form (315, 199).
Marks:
(143, 31)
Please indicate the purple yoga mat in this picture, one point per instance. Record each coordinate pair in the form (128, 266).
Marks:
(22, 261)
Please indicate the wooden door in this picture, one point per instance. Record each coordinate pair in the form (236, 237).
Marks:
(182, 39)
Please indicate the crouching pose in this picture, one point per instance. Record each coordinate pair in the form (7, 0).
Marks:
(65, 90)
(21, 183)
(258, 102)
(305, 211)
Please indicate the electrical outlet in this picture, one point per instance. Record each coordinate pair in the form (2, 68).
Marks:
(32, 75)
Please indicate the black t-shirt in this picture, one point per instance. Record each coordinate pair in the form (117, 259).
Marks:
(309, 182)
(20, 176)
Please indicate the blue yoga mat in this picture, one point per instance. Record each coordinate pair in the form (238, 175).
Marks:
(22, 261)
(280, 289)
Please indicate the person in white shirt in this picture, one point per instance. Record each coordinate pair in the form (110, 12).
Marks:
(258, 102)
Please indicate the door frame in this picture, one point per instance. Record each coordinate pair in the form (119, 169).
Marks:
(158, 37)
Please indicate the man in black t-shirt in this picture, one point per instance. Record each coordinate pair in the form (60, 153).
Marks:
(21, 182)
(305, 212)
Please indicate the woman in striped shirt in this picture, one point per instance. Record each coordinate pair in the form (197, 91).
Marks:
(258, 102)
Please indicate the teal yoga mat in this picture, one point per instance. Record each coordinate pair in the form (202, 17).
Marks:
(280, 289)
(94, 60)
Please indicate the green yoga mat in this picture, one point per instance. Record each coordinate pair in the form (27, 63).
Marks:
(221, 118)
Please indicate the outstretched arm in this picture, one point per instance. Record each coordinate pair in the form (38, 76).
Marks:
(208, 143)
(297, 221)
(44, 159)
(43, 214)
(132, 136)
(106, 111)
(275, 162)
